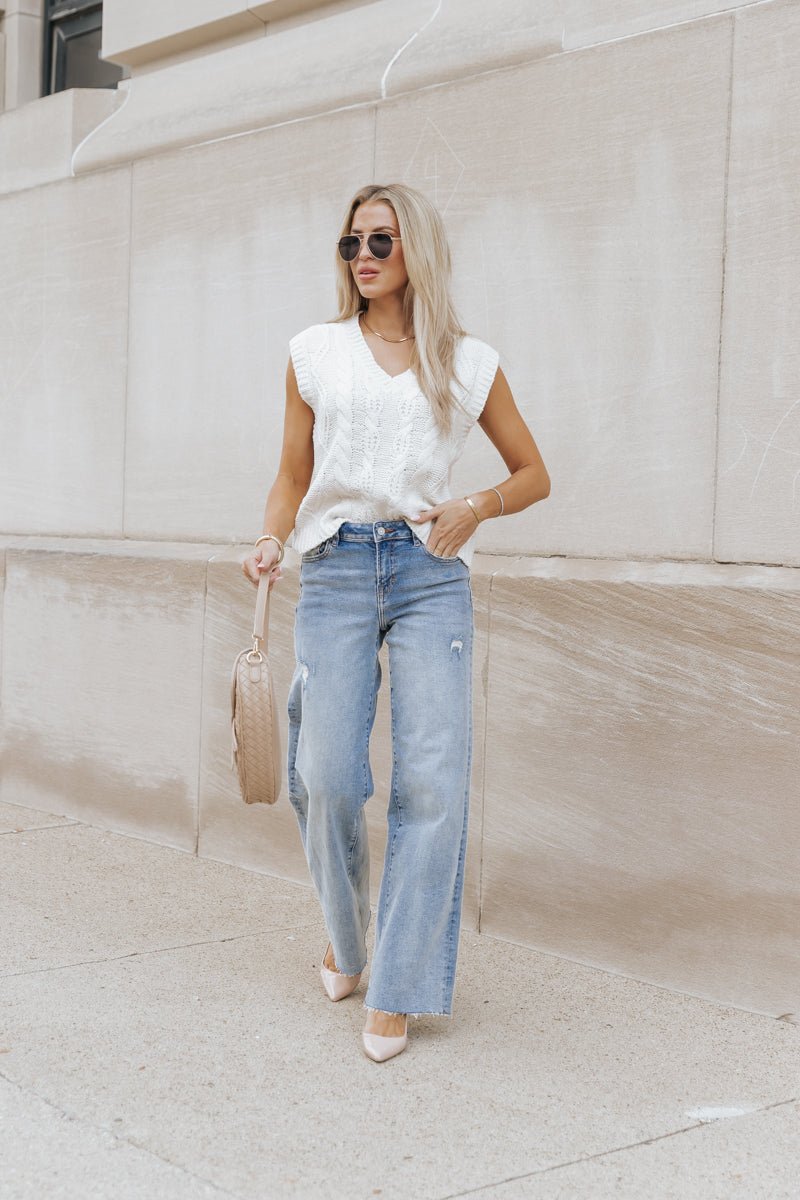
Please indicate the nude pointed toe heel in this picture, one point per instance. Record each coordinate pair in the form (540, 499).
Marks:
(336, 985)
(380, 1048)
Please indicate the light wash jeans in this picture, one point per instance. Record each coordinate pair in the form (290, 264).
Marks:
(365, 583)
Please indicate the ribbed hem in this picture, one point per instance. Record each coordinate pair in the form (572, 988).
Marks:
(484, 378)
(307, 533)
(297, 350)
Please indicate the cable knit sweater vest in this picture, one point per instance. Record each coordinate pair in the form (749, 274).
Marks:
(378, 454)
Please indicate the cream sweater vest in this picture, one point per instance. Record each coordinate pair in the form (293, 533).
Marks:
(378, 454)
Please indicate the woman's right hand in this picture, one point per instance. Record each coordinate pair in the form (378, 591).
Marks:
(263, 559)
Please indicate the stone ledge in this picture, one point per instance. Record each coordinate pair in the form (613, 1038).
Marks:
(135, 38)
(38, 139)
(349, 58)
(117, 547)
(668, 573)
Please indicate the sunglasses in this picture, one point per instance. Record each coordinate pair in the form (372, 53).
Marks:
(379, 245)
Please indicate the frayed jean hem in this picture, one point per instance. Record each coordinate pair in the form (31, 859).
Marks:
(429, 1013)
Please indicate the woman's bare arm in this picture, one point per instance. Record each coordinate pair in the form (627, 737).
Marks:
(503, 424)
(505, 427)
(291, 480)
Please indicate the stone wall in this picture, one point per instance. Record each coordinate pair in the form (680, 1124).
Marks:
(619, 185)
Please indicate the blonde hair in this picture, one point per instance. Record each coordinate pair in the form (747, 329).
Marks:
(427, 307)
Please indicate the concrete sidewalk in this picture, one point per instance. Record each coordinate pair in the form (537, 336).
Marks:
(165, 1036)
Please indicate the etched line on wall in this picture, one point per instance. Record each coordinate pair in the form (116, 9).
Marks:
(749, 436)
(427, 165)
(485, 289)
(772, 437)
(741, 454)
(405, 46)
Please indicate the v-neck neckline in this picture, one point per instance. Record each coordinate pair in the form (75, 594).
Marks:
(370, 358)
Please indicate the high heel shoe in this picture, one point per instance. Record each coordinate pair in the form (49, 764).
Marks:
(380, 1048)
(335, 983)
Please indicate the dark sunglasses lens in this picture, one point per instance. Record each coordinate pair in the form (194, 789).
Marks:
(380, 244)
(348, 247)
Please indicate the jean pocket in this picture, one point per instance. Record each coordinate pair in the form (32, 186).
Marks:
(320, 551)
(436, 557)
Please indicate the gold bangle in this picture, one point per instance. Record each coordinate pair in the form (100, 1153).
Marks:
(474, 509)
(266, 537)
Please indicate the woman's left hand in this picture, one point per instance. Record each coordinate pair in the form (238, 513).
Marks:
(454, 522)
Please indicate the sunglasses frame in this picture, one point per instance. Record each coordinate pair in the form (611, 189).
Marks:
(361, 236)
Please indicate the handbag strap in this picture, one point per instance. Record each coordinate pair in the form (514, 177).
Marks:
(261, 623)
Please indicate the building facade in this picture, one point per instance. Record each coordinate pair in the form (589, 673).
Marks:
(619, 185)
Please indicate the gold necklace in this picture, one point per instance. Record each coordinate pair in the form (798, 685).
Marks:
(380, 335)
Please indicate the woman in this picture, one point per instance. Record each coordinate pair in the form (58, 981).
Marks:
(378, 405)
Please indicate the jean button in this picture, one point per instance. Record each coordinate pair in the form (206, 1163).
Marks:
(381, 529)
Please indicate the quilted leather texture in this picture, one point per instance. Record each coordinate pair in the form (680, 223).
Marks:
(256, 749)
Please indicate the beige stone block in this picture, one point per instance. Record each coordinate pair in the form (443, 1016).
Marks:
(2, 588)
(2, 641)
(456, 40)
(150, 29)
(154, 29)
(33, 8)
(101, 686)
(37, 141)
(233, 253)
(643, 754)
(587, 22)
(758, 489)
(299, 70)
(583, 196)
(63, 340)
(267, 837)
(350, 54)
(23, 59)
(281, 10)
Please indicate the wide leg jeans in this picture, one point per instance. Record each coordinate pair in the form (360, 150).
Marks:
(366, 583)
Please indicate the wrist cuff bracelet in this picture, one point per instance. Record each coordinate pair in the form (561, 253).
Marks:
(270, 537)
(474, 509)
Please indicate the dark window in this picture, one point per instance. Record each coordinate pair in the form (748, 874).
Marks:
(72, 38)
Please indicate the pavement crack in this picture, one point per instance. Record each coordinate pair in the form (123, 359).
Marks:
(120, 1139)
(584, 1158)
(88, 962)
(37, 828)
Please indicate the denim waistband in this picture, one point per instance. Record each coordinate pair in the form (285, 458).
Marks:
(377, 531)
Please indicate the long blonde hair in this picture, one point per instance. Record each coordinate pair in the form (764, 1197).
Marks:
(427, 307)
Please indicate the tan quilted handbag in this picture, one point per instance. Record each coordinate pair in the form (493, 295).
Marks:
(256, 751)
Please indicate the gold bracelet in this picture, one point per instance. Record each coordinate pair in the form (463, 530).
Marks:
(474, 509)
(265, 537)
